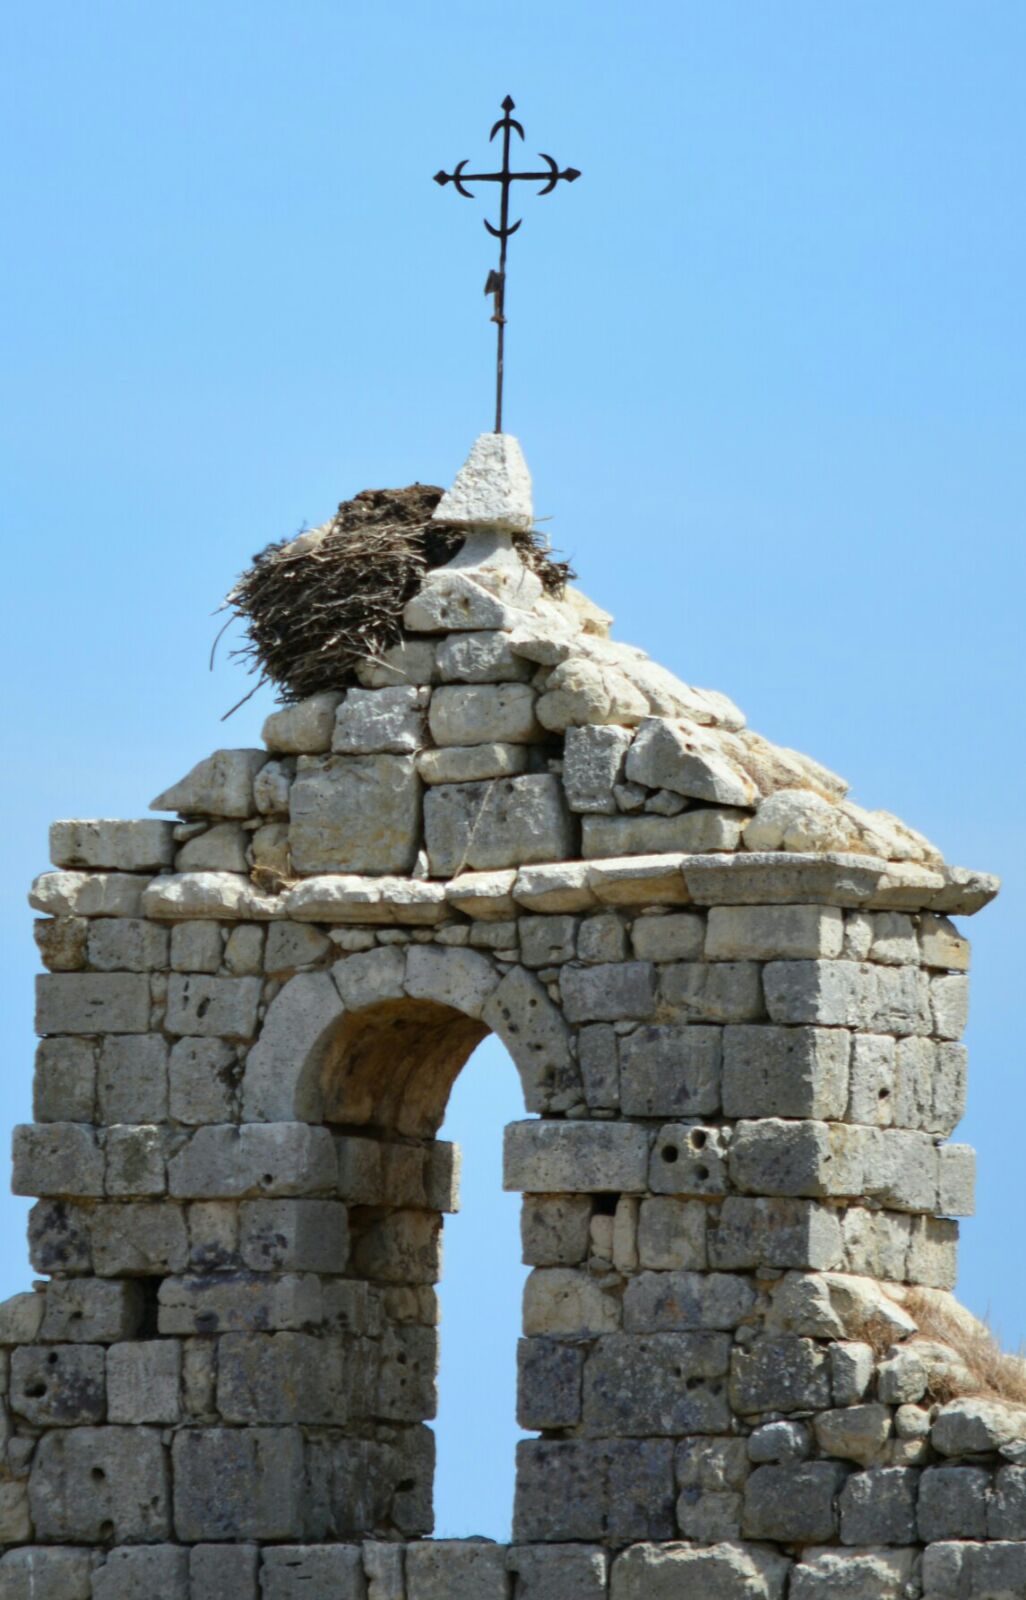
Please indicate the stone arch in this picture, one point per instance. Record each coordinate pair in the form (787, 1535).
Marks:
(442, 999)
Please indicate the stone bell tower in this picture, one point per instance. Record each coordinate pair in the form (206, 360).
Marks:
(734, 999)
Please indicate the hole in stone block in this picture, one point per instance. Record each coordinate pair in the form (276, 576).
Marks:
(670, 1154)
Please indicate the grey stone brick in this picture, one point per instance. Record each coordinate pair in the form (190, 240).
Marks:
(20, 1318)
(554, 1229)
(558, 1572)
(135, 1163)
(92, 1484)
(86, 1002)
(720, 991)
(196, 947)
(58, 1385)
(659, 1302)
(785, 1072)
(688, 1158)
(547, 941)
(58, 1235)
(144, 1380)
(506, 822)
(575, 1489)
(879, 1507)
(780, 1373)
(875, 1097)
(549, 1373)
(203, 1080)
(223, 1572)
(355, 814)
(677, 936)
(137, 846)
(536, 1035)
(672, 1233)
(132, 1079)
(775, 1233)
(238, 1302)
(953, 1503)
(599, 1056)
(90, 1310)
(291, 946)
(295, 1235)
(57, 1158)
(774, 1157)
(782, 1442)
(592, 762)
(564, 1302)
(608, 992)
(127, 944)
(949, 1003)
(1006, 1508)
(139, 1239)
(312, 1572)
(602, 938)
(854, 1575)
(671, 1071)
(270, 1158)
(722, 1571)
(659, 1383)
(238, 1483)
(61, 942)
(204, 1006)
(64, 1088)
(457, 1569)
(33, 1573)
(773, 933)
(794, 1504)
(401, 1247)
(575, 1157)
(140, 1571)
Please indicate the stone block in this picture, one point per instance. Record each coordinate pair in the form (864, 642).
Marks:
(711, 828)
(1006, 1508)
(660, 1302)
(774, 933)
(143, 846)
(979, 1571)
(956, 1180)
(785, 1072)
(203, 1007)
(483, 714)
(671, 1070)
(578, 1489)
(64, 1088)
(292, 946)
(226, 1302)
(220, 786)
(472, 763)
(450, 601)
(91, 1310)
(462, 979)
(21, 1317)
(851, 1371)
(874, 1094)
(974, 1426)
(88, 894)
(953, 1503)
(223, 1572)
(380, 721)
(558, 1572)
(671, 755)
(219, 848)
(547, 941)
(312, 1572)
(794, 1504)
(58, 1385)
(774, 1157)
(385, 1566)
(549, 1375)
(133, 1572)
(688, 1158)
(401, 1247)
(598, 1057)
(139, 1239)
(856, 1433)
(58, 1235)
(294, 1235)
(554, 1229)
(57, 1158)
(94, 1484)
(561, 886)
(853, 1575)
(213, 1235)
(409, 661)
(949, 1002)
(135, 1161)
(780, 1372)
(457, 1569)
(721, 991)
(481, 658)
(659, 1383)
(503, 823)
(127, 944)
(92, 1002)
(304, 728)
(782, 1442)
(610, 992)
(196, 947)
(581, 1157)
(592, 763)
(40, 1574)
(62, 942)
(203, 1081)
(724, 1571)
(672, 1234)
(131, 1083)
(238, 1483)
(259, 1158)
(244, 950)
(15, 1521)
(271, 787)
(355, 814)
(941, 945)
(563, 1303)
(677, 936)
(879, 1507)
(144, 1380)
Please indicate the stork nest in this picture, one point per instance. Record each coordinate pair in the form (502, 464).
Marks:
(317, 606)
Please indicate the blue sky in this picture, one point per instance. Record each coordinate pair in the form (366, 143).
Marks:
(765, 360)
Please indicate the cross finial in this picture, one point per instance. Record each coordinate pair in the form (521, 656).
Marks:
(496, 284)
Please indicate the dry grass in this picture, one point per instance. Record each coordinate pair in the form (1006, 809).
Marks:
(993, 1373)
(317, 606)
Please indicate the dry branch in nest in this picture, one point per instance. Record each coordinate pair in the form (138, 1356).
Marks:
(317, 606)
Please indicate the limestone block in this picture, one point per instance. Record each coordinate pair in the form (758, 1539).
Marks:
(949, 999)
(780, 1372)
(226, 895)
(721, 991)
(61, 942)
(856, 1433)
(832, 1305)
(767, 933)
(410, 661)
(64, 1087)
(88, 894)
(15, 1522)
(602, 938)
(271, 788)
(403, 1247)
(593, 760)
(238, 1302)
(213, 1235)
(558, 1572)
(472, 763)
(480, 658)
(773, 1157)
(304, 728)
(21, 1316)
(638, 881)
(533, 1030)
(487, 713)
(286, 1377)
(451, 1569)
(269, 1158)
(294, 1235)
(784, 1072)
(56, 1158)
(132, 1076)
(799, 820)
(375, 721)
(722, 1571)
(451, 601)
(212, 1007)
(689, 1158)
(385, 1566)
(135, 1163)
(463, 979)
(782, 1442)
(312, 1572)
(575, 1157)
(144, 1380)
(853, 1574)
(952, 1503)
(223, 1572)
(139, 1239)
(293, 946)
(560, 1302)
(1006, 1508)
(710, 828)
(671, 1070)
(941, 945)
(196, 947)
(133, 1572)
(594, 1489)
(58, 1234)
(547, 941)
(633, 1384)
(874, 1095)
(981, 1571)
(794, 1504)
(972, 1426)
(565, 886)
(833, 993)
(355, 814)
(670, 1302)
(679, 936)
(608, 993)
(90, 1310)
(41, 1574)
(503, 823)
(548, 1383)
(599, 1061)
(879, 1507)
(91, 1484)
(203, 1081)
(675, 756)
(671, 1234)
(58, 1385)
(894, 941)
(238, 1483)
(486, 896)
(956, 1180)
(220, 786)
(142, 846)
(554, 1229)
(579, 691)
(220, 848)
(86, 1002)
(126, 944)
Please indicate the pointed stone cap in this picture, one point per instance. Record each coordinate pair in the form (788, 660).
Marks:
(492, 488)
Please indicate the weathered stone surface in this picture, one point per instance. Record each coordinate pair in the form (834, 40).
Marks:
(220, 786)
(355, 814)
(83, 1002)
(126, 944)
(675, 756)
(203, 1081)
(58, 1386)
(270, 1158)
(581, 1157)
(645, 881)
(223, 1572)
(143, 846)
(203, 1007)
(780, 1373)
(472, 763)
(480, 658)
(450, 1569)
(380, 721)
(710, 828)
(463, 979)
(854, 1433)
(220, 848)
(592, 763)
(879, 1507)
(558, 1572)
(785, 1072)
(689, 1158)
(953, 1503)
(226, 895)
(304, 728)
(484, 895)
(795, 1504)
(483, 714)
(297, 1028)
(608, 993)
(722, 991)
(36, 1573)
(773, 933)
(519, 1010)
(88, 1484)
(548, 1383)
(62, 942)
(64, 1088)
(238, 1483)
(632, 1384)
(671, 1234)
(88, 894)
(238, 1302)
(504, 823)
(89, 1310)
(852, 1575)
(579, 691)
(132, 1079)
(679, 936)
(657, 1302)
(312, 1572)
(57, 1158)
(592, 1489)
(144, 1381)
(132, 1572)
(138, 1239)
(491, 490)
(718, 1572)
(564, 886)
(671, 1071)
(560, 1302)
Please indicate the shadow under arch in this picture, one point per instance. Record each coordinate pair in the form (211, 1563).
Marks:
(390, 1067)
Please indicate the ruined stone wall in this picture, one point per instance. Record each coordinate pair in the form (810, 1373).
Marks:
(734, 1002)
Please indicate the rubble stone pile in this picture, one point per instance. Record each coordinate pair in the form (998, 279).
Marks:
(734, 999)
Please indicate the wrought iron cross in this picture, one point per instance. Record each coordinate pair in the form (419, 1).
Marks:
(496, 284)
